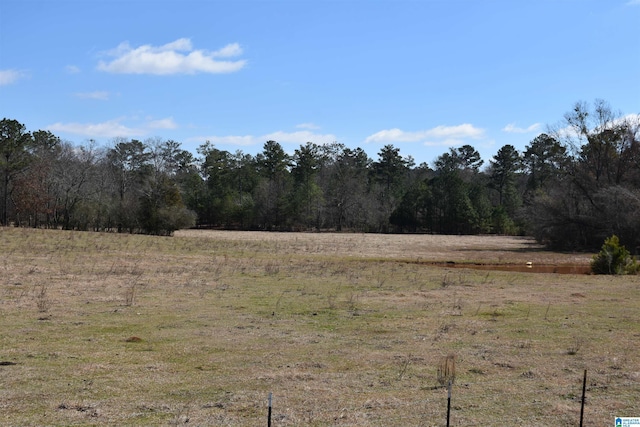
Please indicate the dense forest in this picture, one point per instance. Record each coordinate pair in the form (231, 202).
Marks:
(570, 188)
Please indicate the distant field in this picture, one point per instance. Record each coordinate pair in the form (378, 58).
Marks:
(411, 247)
(343, 329)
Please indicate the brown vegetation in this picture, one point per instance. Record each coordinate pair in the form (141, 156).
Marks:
(343, 329)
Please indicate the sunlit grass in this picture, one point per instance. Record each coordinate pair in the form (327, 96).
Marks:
(341, 328)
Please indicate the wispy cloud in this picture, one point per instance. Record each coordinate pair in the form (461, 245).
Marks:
(108, 129)
(8, 77)
(113, 128)
(512, 128)
(177, 57)
(282, 137)
(240, 140)
(72, 69)
(99, 95)
(633, 3)
(310, 126)
(568, 132)
(437, 136)
(300, 137)
(167, 123)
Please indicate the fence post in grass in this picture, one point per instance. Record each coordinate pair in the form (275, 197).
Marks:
(448, 402)
(269, 413)
(584, 391)
(446, 376)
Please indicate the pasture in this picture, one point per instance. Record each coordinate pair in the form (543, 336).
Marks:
(343, 329)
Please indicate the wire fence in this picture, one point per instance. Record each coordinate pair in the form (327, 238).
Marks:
(474, 404)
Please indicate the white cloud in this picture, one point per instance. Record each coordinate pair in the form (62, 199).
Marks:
(245, 140)
(439, 135)
(569, 132)
(298, 137)
(167, 123)
(447, 142)
(512, 128)
(631, 118)
(177, 57)
(99, 95)
(464, 130)
(633, 3)
(72, 69)
(113, 128)
(228, 51)
(8, 77)
(393, 135)
(182, 44)
(108, 129)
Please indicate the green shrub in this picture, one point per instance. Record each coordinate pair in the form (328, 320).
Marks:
(614, 258)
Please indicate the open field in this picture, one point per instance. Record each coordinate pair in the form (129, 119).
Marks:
(343, 329)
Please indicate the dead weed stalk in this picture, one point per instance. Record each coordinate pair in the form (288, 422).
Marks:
(446, 373)
(42, 298)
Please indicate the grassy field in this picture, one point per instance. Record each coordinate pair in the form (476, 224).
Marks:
(343, 329)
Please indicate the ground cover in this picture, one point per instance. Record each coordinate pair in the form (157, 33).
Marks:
(343, 329)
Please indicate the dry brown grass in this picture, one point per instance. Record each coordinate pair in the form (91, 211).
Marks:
(421, 248)
(344, 329)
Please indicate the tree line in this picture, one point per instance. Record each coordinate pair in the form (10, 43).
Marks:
(570, 188)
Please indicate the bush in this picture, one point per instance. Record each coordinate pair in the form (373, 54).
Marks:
(614, 258)
(164, 221)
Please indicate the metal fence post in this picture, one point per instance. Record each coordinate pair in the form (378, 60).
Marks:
(584, 390)
(448, 403)
(269, 414)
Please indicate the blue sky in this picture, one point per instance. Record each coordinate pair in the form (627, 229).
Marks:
(422, 75)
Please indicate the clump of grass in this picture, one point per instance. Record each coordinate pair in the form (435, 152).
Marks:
(523, 344)
(272, 268)
(616, 364)
(352, 300)
(130, 295)
(446, 281)
(546, 313)
(492, 315)
(404, 365)
(528, 374)
(43, 302)
(495, 314)
(575, 346)
(278, 302)
(442, 330)
(380, 280)
(331, 301)
(457, 306)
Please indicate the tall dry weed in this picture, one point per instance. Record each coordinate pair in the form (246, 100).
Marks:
(43, 302)
(447, 370)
